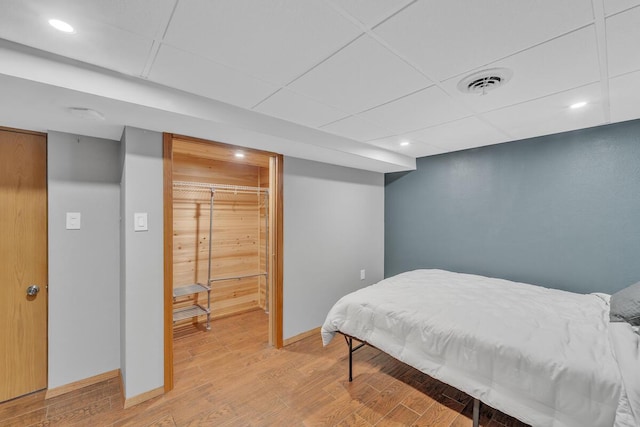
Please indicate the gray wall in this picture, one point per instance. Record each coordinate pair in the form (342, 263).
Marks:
(106, 281)
(141, 287)
(84, 308)
(560, 211)
(333, 228)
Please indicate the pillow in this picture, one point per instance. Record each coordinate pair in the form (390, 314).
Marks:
(625, 305)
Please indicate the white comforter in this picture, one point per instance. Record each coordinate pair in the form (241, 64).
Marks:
(541, 355)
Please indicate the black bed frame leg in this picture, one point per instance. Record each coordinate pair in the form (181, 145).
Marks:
(476, 413)
(350, 343)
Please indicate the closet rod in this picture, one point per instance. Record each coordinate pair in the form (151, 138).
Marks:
(188, 185)
(244, 276)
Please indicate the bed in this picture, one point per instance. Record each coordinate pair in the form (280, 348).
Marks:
(544, 356)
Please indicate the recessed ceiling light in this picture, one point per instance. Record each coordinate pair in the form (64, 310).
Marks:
(578, 105)
(86, 113)
(405, 143)
(239, 154)
(61, 26)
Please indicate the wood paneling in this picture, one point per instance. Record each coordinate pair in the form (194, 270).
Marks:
(263, 177)
(23, 262)
(189, 168)
(199, 149)
(238, 237)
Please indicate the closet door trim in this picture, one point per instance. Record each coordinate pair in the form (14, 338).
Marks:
(255, 157)
(167, 140)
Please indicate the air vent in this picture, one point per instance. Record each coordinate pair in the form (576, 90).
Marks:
(485, 81)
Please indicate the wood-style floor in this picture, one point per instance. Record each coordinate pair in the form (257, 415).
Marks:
(231, 377)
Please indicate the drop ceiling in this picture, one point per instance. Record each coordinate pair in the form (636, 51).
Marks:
(338, 81)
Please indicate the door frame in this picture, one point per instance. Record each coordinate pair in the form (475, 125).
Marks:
(275, 312)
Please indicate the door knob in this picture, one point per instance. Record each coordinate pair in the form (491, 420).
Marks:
(33, 290)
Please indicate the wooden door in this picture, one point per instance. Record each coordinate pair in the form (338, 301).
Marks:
(23, 262)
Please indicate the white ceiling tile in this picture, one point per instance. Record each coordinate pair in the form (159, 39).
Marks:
(422, 109)
(296, 108)
(421, 149)
(614, 6)
(182, 70)
(361, 76)
(144, 17)
(447, 38)
(551, 114)
(357, 128)
(624, 96)
(273, 40)
(470, 132)
(390, 142)
(414, 149)
(371, 12)
(94, 41)
(558, 65)
(623, 37)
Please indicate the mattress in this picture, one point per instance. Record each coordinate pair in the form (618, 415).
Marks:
(541, 355)
(626, 344)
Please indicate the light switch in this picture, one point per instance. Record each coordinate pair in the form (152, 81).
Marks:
(73, 220)
(140, 221)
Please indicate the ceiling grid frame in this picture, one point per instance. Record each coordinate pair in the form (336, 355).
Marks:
(305, 72)
(435, 82)
(601, 42)
(157, 43)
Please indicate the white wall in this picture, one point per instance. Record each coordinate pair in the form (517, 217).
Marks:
(142, 299)
(333, 228)
(84, 313)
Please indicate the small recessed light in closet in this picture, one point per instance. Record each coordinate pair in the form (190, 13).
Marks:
(240, 155)
(578, 105)
(405, 143)
(61, 26)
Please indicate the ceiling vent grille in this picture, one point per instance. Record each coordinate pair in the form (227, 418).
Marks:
(485, 81)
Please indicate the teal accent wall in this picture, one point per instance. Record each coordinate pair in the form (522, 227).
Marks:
(561, 211)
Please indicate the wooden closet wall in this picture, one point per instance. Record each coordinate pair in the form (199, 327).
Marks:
(240, 230)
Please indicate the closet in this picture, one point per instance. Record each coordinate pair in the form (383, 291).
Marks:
(223, 222)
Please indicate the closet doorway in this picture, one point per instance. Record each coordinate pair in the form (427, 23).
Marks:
(223, 238)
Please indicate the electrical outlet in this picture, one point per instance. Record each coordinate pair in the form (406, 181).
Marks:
(362, 275)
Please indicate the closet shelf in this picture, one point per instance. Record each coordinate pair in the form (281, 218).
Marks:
(190, 290)
(189, 312)
(196, 310)
(242, 276)
(190, 187)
